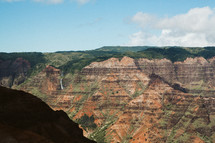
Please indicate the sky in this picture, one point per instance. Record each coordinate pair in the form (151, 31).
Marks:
(65, 25)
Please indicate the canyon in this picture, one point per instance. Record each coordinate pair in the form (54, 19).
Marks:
(129, 99)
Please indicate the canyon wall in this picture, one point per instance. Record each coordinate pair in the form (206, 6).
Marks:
(162, 101)
(135, 100)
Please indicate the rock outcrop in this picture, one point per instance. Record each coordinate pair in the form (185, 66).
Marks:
(188, 73)
(25, 118)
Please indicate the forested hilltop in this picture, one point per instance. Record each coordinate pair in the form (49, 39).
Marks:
(74, 61)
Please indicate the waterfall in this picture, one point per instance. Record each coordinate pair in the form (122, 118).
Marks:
(61, 84)
(61, 81)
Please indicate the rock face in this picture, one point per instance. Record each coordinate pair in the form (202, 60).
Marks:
(13, 72)
(44, 85)
(24, 118)
(161, 114)
(186, 73)
(152, 100)
(135, 100)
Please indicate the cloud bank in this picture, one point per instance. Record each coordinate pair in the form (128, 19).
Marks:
(194, 28)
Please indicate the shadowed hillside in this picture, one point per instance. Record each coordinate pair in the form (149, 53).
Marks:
(26, 119)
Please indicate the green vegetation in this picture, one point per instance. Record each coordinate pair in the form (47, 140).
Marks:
(139, 92)
(32, 57)
(178, 53)
(173, 54)
(37, 60)
(37, 93)
(74, 61)
(198, 123)
(207, 53)
(59, 59)
(99, 135)
(122, 49)
(87, 122)
(76, 65)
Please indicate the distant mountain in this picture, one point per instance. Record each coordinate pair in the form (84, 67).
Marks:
(25, 118)
(122, 49)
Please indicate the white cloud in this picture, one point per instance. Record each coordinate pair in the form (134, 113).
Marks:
(143, 19)
(194, 28)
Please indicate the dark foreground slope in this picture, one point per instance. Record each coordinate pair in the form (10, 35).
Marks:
(26, 119)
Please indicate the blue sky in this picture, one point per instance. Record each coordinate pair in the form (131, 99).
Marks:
(62, 25)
